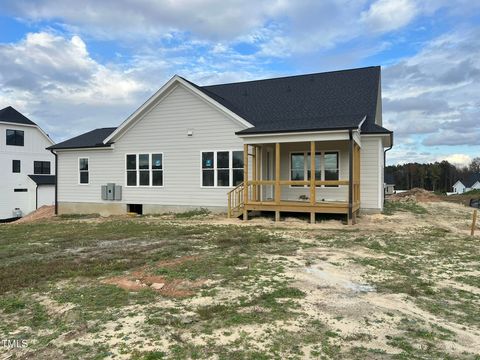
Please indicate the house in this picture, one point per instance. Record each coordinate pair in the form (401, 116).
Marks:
(472, 183)
(28, 180)
(236, 147)
(389, 184)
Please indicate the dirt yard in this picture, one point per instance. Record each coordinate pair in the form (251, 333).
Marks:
(404, 284)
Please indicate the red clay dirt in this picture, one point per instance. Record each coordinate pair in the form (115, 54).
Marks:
(42, 213)
(143, 278)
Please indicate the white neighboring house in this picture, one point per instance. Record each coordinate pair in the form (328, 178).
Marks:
(28, 180)
(462, 186)
(191, 146)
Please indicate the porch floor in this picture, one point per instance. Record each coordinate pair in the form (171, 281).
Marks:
(326, 207)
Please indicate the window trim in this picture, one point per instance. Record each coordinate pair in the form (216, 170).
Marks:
(215, 169)
(150, 169)
(15, 130)
(19, 166)
(79, 171)
(322, 167)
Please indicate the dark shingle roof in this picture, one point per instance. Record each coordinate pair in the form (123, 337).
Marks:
(10, 115)
(321, 101)
(472, 179)
(90, 139)
(43, 179)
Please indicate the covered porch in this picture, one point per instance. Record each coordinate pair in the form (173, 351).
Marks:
(282, 176)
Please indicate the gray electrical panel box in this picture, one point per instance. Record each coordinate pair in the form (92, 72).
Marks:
(111, 192)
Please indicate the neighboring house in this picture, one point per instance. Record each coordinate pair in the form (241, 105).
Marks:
(238, 147)
(27, 181)
(389, 184)
(472, 183)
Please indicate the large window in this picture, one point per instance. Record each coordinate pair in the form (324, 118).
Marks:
(16, 166)
(15, 137)
(144, 169)
(41, 167)
(326, 166)
(222, 168)
(84, 172)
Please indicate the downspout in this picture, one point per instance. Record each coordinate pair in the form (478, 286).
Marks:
(385, 163)
(56, 181)
(350, 177)
(36, 197)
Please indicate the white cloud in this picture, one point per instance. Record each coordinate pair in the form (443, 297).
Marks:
(457, 159)
(388, 15)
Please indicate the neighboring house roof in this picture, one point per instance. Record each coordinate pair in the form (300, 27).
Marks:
(10, 115)
(91, 139)
(43, 179)
(321, 101)
(389, 179)
(472, 179)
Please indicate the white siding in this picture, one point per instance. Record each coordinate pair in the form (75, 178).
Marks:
(163, 129)
(33, 150)
(371, 173)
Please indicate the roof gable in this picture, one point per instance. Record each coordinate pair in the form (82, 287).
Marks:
(10, 115)
(160, 94)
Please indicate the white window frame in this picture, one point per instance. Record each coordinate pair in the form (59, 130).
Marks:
(305, 167)
(150, 170)
(80, 171)
(215, 169)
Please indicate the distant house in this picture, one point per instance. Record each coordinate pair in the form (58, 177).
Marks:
(389, 184)
(27, 181)
(236, 147)
(472, 183)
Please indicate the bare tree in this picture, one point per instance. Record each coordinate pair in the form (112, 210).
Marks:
(475, 165)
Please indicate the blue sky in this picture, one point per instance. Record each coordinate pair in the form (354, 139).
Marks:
(76, 65)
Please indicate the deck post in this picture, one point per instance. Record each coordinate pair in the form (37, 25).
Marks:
(350, 178)
(259, 174)
(277, 179)
(245, 182)
(313, 195)
(254, 172)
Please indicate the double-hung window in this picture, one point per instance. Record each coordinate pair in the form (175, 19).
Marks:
(41, 167)
(144, 169)
(326, 166)
(15, 137)
(83, 171)
(222, 168)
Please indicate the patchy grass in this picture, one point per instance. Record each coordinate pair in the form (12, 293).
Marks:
(407, 206)
(192, 213)
(250, 300)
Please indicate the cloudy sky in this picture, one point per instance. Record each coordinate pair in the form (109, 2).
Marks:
(76, 65)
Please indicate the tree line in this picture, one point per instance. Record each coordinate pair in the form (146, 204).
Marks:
(437, 176)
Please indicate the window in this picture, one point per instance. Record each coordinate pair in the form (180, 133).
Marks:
(15, 137)
(84, 177)
(41, 167)
(237, 167)
(222, 168)
(144, 169)
(20, 190)
(297, 169)
(300, 166)
(15, 166)
(331, 166)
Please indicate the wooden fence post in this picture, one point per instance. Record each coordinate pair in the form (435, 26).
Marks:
(474, 223)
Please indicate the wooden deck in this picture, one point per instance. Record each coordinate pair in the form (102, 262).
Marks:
(325, 207)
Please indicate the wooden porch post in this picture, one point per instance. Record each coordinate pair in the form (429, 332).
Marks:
(350, 179)
(254, 172)
(259, 175)
(312, 180)
(245, 182)
(277, 180)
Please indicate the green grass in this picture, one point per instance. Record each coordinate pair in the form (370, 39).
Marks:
(192, 213)
(411, 206)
